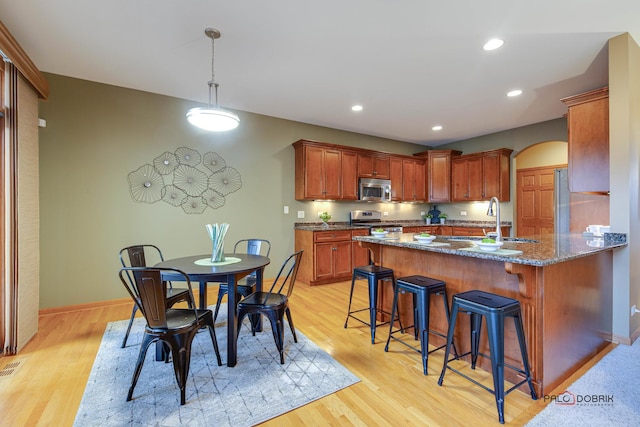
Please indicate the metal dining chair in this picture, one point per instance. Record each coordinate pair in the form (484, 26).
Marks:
(136, 256)
(247, 285)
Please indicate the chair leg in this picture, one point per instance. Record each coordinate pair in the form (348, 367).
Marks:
(353, 281)
(181, 353)
(221, 293)
(147, 340)
(290, 320)
(277, 327)
(209, 324)
(133, 315)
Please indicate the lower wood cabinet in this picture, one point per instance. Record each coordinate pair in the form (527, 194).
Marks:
(327, 256)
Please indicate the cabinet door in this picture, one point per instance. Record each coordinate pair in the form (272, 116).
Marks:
(395, 174)
(476, 178)
(332, 174)
(342, 259)
(460, 180)
(323, 260)
(373, 166)
(419, 181)
(588, 124)
(496, 167)
(439, 177)
(349, 176)
(359, 255)
(413, 180)
(313, 173)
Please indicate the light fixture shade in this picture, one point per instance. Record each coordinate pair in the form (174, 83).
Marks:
(212, 119)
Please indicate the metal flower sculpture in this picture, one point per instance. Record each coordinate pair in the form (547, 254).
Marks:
(166, 163)
(146, 184)
(189, 179)
(226, 181)
(213, 198)
(194, 205)
(188, 156)
(173, 195)
(194, 182)
(213, 162)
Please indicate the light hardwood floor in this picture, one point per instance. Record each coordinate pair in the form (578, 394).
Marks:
(47, 387)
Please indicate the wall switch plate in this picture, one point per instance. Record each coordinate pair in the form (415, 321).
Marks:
(385, 213)
(300, 214)
(634, 310)
(463, 213)
(422, 213)
(286, 209)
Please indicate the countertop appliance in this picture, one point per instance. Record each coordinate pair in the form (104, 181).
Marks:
(373, 220)
(374, 190)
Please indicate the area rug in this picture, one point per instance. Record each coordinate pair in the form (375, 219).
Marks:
(606, 395)
(256, 389)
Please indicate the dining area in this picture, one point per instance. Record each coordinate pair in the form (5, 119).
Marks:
(164, 292)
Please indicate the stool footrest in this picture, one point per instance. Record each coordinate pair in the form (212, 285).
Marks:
(418, 350)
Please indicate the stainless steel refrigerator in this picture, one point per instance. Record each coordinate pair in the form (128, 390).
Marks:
(561, 202)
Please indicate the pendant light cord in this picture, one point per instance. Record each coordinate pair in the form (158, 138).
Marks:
(212, 82)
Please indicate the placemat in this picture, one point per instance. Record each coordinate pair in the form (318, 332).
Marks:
(507, 252)
(227, 260)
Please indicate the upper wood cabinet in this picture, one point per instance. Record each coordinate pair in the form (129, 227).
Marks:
(373, 166)
(588, 123)
(349, 179)
(318, 172)
(480, 176)
(438, 174)
(413, 180)
(395, 175)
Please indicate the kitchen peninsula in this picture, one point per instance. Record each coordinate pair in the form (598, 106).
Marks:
(563, 282)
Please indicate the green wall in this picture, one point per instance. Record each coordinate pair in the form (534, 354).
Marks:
(97, 134)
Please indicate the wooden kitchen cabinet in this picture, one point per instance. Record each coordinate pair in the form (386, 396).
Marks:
(438, 174)
(413, 180)
(349, 178)
(481, 176)
(327, 256)
(395, 175)
(373, 166)
(588, 124)
(359, 255)
(318, 172)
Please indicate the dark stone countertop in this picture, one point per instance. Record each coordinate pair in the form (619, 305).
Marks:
(536, 250)
(318, 226)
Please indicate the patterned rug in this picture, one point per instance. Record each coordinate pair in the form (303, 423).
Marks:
(256, 389)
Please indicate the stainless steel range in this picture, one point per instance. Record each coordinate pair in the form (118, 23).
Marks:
(373, 220)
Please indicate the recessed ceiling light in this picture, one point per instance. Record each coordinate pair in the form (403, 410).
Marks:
(356, 108)
(436, 128)
(493, 44)
(516, 92)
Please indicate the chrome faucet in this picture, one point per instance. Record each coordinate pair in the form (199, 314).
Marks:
(490, 212)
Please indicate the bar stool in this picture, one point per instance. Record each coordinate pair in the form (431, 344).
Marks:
(495, 308)
(421, 289)
(373, 274)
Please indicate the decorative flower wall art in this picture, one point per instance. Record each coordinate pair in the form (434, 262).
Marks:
(185, 179)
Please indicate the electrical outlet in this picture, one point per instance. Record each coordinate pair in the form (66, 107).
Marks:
(463, 213)
(300, 214)
(422, 213)
(286, 209)
(385, 213)
(634, 310)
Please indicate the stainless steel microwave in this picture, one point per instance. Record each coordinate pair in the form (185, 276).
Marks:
(374, 190)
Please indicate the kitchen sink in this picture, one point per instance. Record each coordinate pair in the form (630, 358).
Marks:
(504, 239)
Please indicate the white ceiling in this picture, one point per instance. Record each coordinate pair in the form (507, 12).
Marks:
(412, 64)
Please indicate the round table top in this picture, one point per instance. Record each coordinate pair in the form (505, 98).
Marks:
(247, 263)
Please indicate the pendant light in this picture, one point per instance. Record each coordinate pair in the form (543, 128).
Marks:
(212, 118)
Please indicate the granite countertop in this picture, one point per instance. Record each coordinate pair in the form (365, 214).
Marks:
(536, 251)
(318, 226)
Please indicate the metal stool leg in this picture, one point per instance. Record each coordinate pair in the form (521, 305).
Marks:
(394, 308)
(452, 326)
(353, 281)
(523, 350)
(373, 306)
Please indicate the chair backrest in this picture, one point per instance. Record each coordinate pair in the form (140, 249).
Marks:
(286, 278)
(149, 292)
(136, 255)
(254, 247)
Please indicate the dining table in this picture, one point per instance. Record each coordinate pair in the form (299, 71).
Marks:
(200, 268)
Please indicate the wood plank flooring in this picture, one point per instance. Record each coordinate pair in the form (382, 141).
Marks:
(47, 387)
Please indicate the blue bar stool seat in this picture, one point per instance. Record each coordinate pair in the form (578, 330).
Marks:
(373, 274)
(421, 288)
(495, 309)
